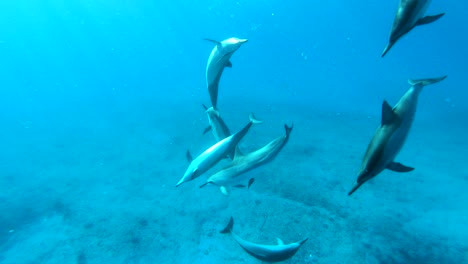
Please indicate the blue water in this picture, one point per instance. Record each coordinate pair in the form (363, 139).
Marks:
(101, 99)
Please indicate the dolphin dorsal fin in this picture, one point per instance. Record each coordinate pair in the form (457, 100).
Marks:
(280, 242)
(387, 113)
(229, 64)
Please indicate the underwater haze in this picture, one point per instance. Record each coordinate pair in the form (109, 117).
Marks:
(100, 101)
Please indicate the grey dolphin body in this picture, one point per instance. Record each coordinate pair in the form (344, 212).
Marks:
(219, 128)
(241, 164)
(391, 135)
(217, 61)
(217, 125)
(214, 154)
(269, 253)
(410, 14)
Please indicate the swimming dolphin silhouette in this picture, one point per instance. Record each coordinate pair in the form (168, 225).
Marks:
(269, 253)
(241, 164)
(217, 61)
(391, 135)
(410, 14)
(214, 154)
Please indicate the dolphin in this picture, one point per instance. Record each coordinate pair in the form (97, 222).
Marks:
(391, 135)
(269, 253)
(241, 164)
(214, 154)
(218, 60)
(410, 14)
(218, 127)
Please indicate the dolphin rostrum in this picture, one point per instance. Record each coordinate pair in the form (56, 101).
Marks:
(269, 253)
(214, 154)
(410, 14)
(241, 164)
(391, 135)
(218, 60)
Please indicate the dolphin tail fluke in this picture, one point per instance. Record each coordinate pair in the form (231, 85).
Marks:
(288, 129)
(228, 228)
(254, 120)
(356, 186)
(428, 19)
(428, 81)
(387, 48)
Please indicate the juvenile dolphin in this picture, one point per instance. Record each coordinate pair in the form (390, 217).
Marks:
(410, 14)
(218, 127)
(218, 60)
(391, 135)
(214, 154)
(269, 253)
(241, 164)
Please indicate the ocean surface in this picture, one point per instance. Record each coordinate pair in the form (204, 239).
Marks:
(100, 100)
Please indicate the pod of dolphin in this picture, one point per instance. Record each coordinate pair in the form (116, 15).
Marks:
(385, 145)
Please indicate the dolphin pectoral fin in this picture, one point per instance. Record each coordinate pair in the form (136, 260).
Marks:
(427, 81)
(387, 113)
(203, 185)
(232, 154)
(398, 167)
(428, 19)
(251, 181)
(228, 64)
(208, 128)
(280, 242)
(223, 190)
(204, 106)
(356, 186)
(387, 48)
(229, 227)
(189, 156)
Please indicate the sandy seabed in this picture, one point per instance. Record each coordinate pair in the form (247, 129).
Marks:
(99, 191)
